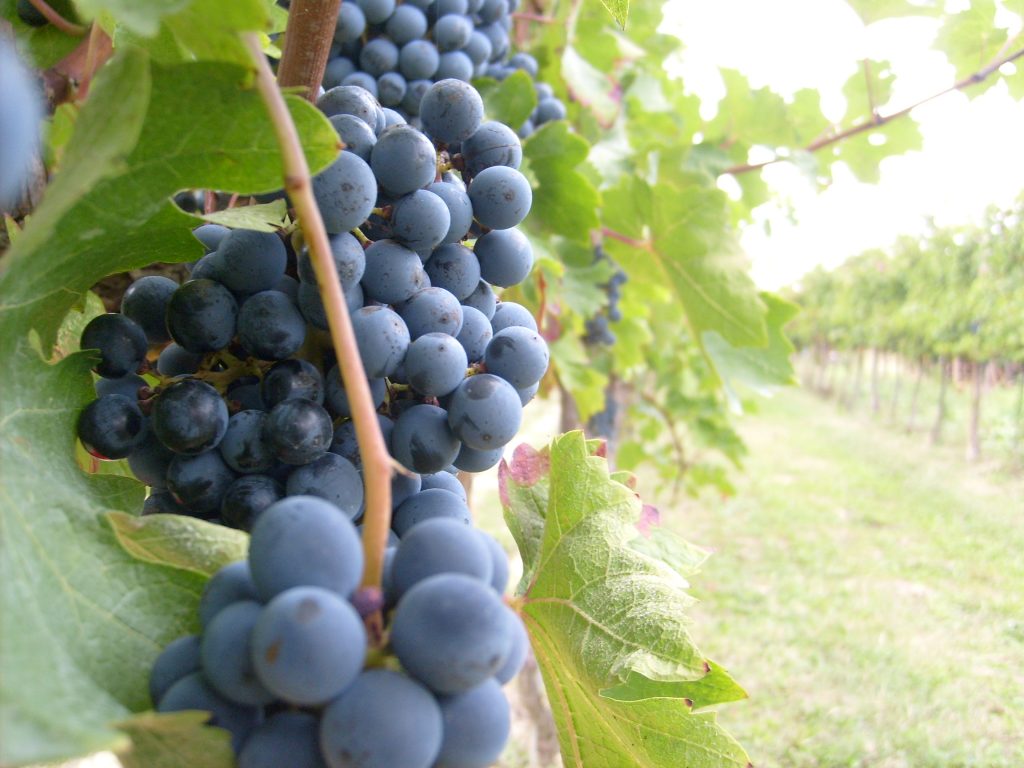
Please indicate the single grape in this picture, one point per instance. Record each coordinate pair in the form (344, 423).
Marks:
(485, 412)
(454, 268)
(392, 117)
(246, 499)
(253, 261)
(362, 80)
(178, 658)
(338, 69)
(270, 326)
(454, 65)
(337, 398)
(351, 23)
(345, 444)
(403, 160)
(505, 256)
(446, 481)
(231, 584)
(378, 56)
(483, 299)
(345, 192)
(150, 459)
(210, 267)
(452, 32)
(383, 720)
(498, 37)
(289, 379)
(435, 365)
(451, 632)
(508, 313)
(145, 301)
(422, 441)
(517, 653)
(491, 11)
(391, 88)
(413, 97)
(175, 360)
(330, 477)
(478, 48)
(420, 220)
(431, 310)
(304, 541)
(382, 339)
(518, 355)
(476, 727)
(284, 739)
(493, 143)
(201, 316)
(111, 427)
(121, 343)
(501, 197)
(189, 417)
(474, 460)
(349, 100)
(440, 545)
(452, 110)
(128, 385)
(193, 692)
(356, 134)
(406, 24)
(528, 393)
(393, 272)
(404, 487)
(548, 110)
(298, 431)
(475, 334)
(243, 447)
(308, 645)
(199, 482)
(418, 60)
(226, 657)
(460, 209)
(426, 505)
(377, 11)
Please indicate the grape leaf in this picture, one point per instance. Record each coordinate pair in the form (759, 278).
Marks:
(619, 9)
(268, 217)
(141, 16)
(510, 101)
(871, 11)
(970, 39)
(606, 621)
(564, 201)
(89, 616)
(181, 542)
(174, 740)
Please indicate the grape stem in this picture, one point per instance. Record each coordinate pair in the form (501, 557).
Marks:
(65, 26)
(374, 453)
(307, 44)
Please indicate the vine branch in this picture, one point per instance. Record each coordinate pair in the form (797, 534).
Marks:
(68, 27)
(307, 44)
(376, 460)
(878, 120)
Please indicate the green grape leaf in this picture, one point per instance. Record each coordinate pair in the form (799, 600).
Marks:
(753, 116)
(871, 11)
(510, 101)
(971, 40)
(140, 16)
(760, 368)
(175, 740)
(576, 372)
(564, 201)
(619, 9)
(140, 139)
(178, 541)
(90, 617)
(868, 89)
(608, 622)
(589, 86)
(864, 152)
(689, 249)
(268, 217)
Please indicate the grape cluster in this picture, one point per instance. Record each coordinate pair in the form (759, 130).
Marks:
(597, 327)
(282, 662)
(244, 404)
(395, 51)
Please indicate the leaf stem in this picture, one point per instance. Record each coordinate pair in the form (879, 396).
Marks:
(876, 120)
(374, 453)
(307, 44)
(68, 27)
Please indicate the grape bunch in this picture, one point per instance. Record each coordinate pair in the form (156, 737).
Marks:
(242, 402)
(283, 661)
(597, 327)
(395, 51)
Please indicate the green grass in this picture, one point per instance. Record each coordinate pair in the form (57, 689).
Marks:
(868, 593)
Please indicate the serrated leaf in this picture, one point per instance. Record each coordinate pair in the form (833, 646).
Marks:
(868, 89)
(604, 617)
(750, 115)
(761, 368)
(178, 541)
(146, 132)
(267, 217)
(690, 249)
(970, 39)
(175, 740)
(510, 101)
(864, 153)
(89, 617)
(619, 9)
(564, 201)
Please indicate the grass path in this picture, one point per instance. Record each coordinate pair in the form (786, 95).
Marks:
(867, 592)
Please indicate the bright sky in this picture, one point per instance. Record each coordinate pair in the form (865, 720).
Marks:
(973, 150)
